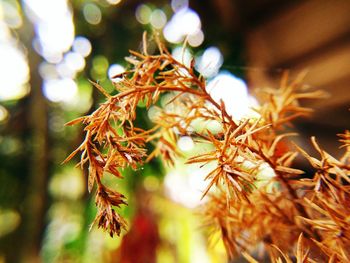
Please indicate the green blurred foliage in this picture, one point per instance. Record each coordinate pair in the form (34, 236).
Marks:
(69, 210)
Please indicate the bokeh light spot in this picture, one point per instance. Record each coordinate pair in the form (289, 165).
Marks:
(92, 14)
(74, 61)
(11, 14)
(177, 5)
(82, 46)
(64, 71)
(232, 91)
(173, 33)
(9, 221)
(185, 22)
(185, 143)
(113, 70)
(3, 114)
(158, 19)
(188, 20)
(14, 72)
(45, 10)
(69, 185)
(113, 2)
(143, 14)
(100, 65)
(151, 183)
(53, 22)
(210, 62)
(60, 90)
(196, 39)
(48, 71)
(182, 55)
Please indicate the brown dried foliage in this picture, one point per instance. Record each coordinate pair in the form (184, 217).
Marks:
(291, 214)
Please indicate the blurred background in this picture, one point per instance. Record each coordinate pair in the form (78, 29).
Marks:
(50, 49)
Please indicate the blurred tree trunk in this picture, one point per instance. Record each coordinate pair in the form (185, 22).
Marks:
(35, 205)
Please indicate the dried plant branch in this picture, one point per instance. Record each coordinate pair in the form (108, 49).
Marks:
(255, 196)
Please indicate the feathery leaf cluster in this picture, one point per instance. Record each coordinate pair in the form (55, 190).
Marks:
(285, 212)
